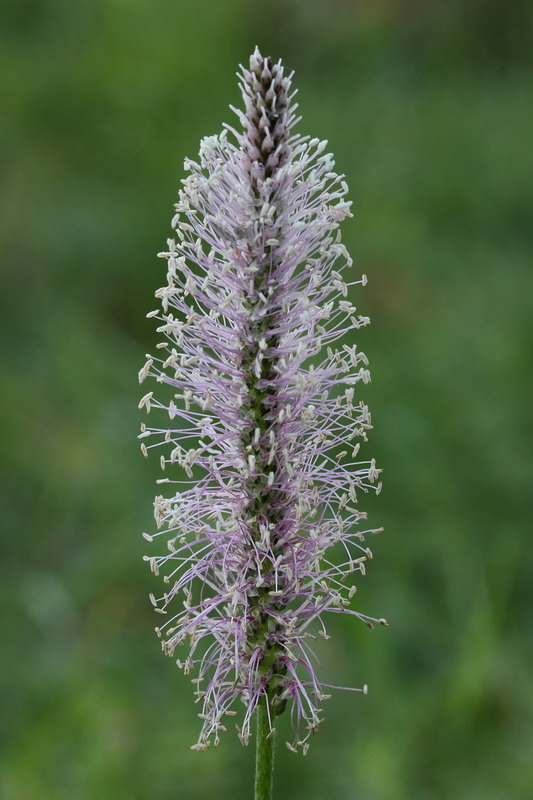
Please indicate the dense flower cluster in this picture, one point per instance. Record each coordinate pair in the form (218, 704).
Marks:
(262, 413)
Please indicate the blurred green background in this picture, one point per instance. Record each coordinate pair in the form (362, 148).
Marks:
(427, 107)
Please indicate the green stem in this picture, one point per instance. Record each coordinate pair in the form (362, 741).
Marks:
(264, 754)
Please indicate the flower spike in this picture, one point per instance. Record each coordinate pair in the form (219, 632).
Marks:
(260, 414)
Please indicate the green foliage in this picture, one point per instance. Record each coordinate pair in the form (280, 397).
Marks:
(427, 109)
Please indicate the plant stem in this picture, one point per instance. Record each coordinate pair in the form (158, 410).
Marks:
(264, 754)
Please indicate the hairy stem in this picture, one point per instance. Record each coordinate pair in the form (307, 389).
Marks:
(264, 754)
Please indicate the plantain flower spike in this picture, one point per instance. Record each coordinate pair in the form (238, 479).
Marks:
(257, 418)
